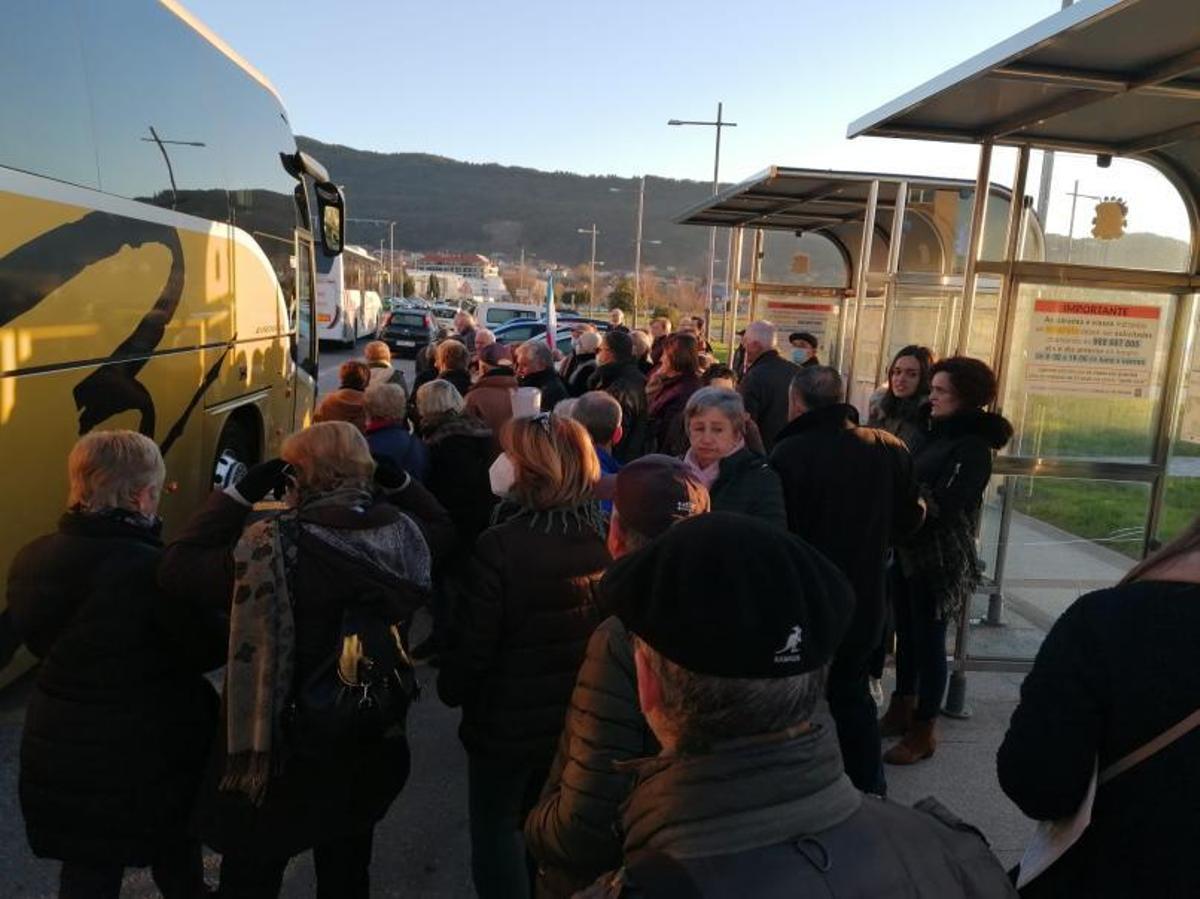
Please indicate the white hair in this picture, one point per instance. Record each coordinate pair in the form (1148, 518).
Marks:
(483, 337)
(617, 315)
(437, 397)
(762, 333)
(385, 402)
(588, 342)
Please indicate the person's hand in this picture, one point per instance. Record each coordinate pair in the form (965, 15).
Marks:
(262, 479)
(388, 475)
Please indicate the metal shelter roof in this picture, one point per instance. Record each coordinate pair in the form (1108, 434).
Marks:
(788, 199)
(1119, 77)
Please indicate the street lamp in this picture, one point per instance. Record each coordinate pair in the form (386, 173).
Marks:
(592, 288)
(712, 235)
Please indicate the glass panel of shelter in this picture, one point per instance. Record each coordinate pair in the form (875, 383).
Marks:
(1089, 373)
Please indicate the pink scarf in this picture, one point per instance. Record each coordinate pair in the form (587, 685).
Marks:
(708, 475)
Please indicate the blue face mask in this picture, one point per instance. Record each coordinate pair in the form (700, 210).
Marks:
(800, 355)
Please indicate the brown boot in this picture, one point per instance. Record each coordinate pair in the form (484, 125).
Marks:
(918, 744)
(899, 715)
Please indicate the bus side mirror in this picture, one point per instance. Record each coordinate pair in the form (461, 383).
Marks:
(331, 208)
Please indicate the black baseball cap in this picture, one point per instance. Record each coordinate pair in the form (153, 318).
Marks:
(732, 596)
(656, 491)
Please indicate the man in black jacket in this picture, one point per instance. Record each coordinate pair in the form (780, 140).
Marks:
(850, 492)
(764, 387)
(535, 368)
(619, 376)
(748, 796)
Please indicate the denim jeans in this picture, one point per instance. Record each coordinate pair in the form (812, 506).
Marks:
(921, 669)
(500, 794)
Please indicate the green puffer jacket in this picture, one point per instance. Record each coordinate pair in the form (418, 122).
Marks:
(747, 484)
(573, 831)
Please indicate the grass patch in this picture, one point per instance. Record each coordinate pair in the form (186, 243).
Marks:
(1108, 512)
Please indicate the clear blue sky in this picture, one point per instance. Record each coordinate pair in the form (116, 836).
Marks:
(588, 87)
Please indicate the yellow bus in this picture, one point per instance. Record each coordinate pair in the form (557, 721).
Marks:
(156, 262)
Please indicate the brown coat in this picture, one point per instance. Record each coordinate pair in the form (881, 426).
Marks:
(344, 404)
(490, 399)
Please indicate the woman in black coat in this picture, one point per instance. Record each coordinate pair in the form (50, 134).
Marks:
(339, 560)
(525, 610)
(1117, 670)
(120, 720)
(899, 406)
(939, 564)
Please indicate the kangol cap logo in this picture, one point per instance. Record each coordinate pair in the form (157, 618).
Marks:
(790, 651)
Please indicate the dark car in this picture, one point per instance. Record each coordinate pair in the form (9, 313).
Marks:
(406, 331)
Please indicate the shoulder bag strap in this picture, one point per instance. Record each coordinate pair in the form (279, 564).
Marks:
(1159, 743)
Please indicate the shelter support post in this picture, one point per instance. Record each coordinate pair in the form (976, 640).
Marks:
(737, 236)
(974, 243)
(756, 272)
(848, 335)
(730, 292)
(1014, 239)
(893, 271)
(1167, 422)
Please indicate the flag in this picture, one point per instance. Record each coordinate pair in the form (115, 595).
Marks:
(551, 315)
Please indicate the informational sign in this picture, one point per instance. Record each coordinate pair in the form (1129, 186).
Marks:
(818, 319)
(1092, 349)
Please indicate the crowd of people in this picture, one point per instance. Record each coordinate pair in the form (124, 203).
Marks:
(662, 591)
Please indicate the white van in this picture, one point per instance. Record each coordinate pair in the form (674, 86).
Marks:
(492, 315)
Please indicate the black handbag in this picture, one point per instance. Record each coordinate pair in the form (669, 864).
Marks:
(359, 694)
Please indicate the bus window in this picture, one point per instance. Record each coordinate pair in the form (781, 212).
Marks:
(47, 123)
(157, 127)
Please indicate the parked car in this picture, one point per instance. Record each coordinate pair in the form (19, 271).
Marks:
(406, 331)
(520, 331)
(494, 315)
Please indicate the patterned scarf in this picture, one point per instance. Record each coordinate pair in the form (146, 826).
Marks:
(262, 643)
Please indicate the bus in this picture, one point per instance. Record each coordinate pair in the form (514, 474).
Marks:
(156, 262)
(349, 301)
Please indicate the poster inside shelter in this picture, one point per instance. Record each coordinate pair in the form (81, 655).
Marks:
(817, 318)
(1092, 349)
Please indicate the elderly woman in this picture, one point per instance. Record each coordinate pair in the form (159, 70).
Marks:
(379, 360)
(461, 448)
(738, 479)
(346, 403)
(119, 723)
(526, 610)
(319, 594)
(387, 430)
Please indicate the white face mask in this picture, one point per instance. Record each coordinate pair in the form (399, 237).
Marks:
(502, 475)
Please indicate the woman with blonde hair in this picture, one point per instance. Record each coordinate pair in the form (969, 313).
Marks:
(311, 752)
(526, 608)
(119, 723)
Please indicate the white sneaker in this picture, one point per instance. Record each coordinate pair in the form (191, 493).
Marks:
(877, 691)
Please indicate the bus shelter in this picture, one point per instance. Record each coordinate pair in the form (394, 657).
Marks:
(1093, 341)
(868, 263)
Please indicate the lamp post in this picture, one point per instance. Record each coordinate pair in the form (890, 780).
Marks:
(712, 234)
(592, 268)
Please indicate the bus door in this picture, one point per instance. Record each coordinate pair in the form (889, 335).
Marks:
(304, 336)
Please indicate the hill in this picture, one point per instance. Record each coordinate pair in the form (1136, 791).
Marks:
(443, 204)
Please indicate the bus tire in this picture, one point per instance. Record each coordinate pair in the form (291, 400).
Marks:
(234, 455)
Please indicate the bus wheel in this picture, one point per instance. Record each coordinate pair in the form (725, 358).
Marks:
(235, 455)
